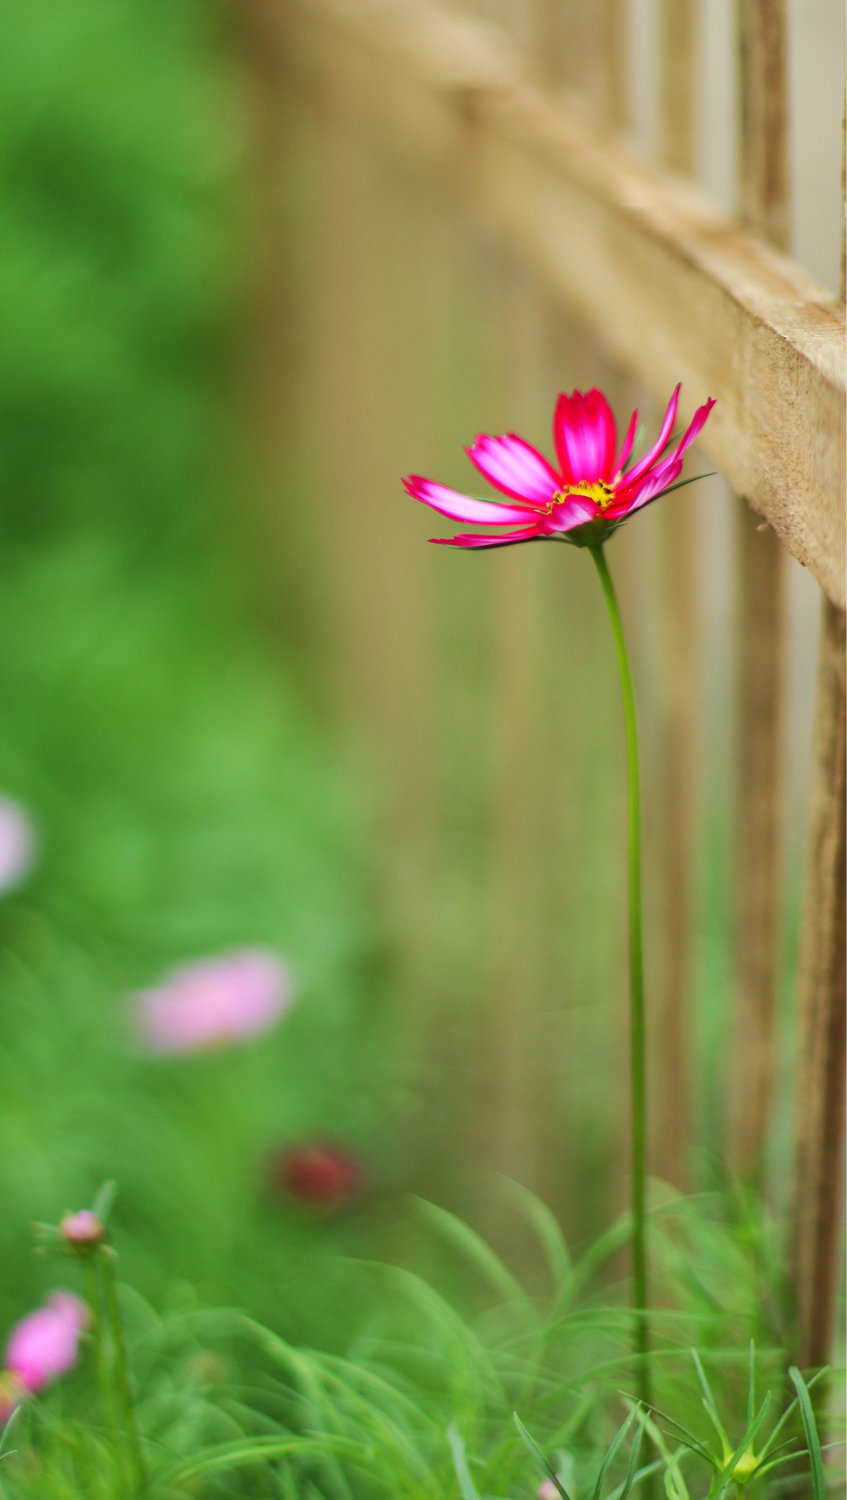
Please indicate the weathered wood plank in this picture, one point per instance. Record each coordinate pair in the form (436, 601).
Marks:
(818, 1187)
(678, 688)
(819, 1163)
(671, 287)
(760, 641)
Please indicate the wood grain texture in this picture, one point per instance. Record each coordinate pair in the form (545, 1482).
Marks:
(819, 1165)
(671, 287)
(680, 682)
(760, 689)
(760, 639)
(762, 27)
(679, 85)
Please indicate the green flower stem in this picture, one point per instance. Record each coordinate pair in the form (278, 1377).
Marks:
(636, 988)
(104, 1374)
(121, 1368)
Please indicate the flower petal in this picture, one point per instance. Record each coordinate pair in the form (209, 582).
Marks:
(505, 539)
(573, 511)
(645, 489)
(694, 428)
(515, 467)
(645, 463)
(632, 495)
(626, 445)
(585, 437)
(464, 507)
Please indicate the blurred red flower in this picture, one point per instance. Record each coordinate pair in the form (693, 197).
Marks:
(319, 1174)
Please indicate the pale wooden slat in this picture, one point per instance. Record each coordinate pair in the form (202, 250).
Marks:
(760, 641)
(679, 85)
(760, 653)
(670, 286)
(819, 1164)
(818, 1185)
(679, 605)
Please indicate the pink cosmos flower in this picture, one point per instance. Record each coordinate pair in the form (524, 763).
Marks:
(44, 1344)
(214, 1002)
(17, 843)
(584, 499)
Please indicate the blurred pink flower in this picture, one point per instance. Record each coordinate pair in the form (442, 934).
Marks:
(82, 1230)
(17, 843)
(548, 1491)
(44, 1344)
(214, 1002)
(585, 498)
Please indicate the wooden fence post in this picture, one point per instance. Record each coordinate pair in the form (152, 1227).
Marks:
(819, 1161)
(680, 581)
(761, 26)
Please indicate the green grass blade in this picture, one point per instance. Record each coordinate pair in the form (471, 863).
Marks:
(460, 1464)
(612, 1450)
(539, 1456)
(474, 1249)
(751, 1382)
(709, 1402)
(633, 1458)
(810, 1428)
(787, 1413)
(548, 1231)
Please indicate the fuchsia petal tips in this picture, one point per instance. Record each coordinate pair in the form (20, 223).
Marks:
(586, 500)
(515, 467)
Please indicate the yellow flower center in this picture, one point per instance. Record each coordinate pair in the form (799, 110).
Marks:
(595, 489)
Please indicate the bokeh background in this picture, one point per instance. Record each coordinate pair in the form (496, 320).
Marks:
(244, 703)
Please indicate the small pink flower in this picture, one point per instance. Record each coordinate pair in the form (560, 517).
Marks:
(548, 1491)
(17, 843)
(581, 501)
(214, 1002)
(82, 1230)
(44, 1344)
(319, 1174)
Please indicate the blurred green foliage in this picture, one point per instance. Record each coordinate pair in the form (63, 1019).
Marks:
(184, 800)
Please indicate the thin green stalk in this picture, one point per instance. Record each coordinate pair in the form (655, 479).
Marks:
(104, 1373)
(121, 1368)
(636, 988)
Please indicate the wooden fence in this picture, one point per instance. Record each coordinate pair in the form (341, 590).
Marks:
(471, 159)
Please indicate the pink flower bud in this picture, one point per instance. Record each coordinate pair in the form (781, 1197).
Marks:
(44, 1344)
(214, 1002)
(548, 1491)
(82, 1230)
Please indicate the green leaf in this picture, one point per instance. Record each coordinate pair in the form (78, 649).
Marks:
(726, 1473)
(473, 1247)
(537, 1454)
(460, 1464)
(633, 1458)
(810, 1428)
(709, 1402)
(548, 1230)
(613, 1448)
